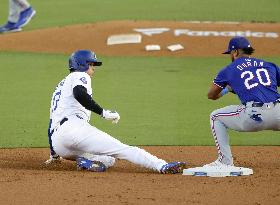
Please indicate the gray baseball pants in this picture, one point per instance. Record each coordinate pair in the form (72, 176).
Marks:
(15, 7)
(243, 119)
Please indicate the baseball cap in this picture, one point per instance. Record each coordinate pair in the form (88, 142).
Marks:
(237, 42)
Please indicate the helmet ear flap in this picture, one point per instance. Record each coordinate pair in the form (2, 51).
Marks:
(73, 64)
(82, 65)
(79, 64)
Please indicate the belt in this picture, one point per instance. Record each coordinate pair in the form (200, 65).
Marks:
(60, 123)
(259, 104)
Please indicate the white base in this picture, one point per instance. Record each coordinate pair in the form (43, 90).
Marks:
(218, 171)
(152, 47)
(175, 47)
(124, 39)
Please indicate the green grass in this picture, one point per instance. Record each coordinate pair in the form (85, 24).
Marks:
(162, 101)
(52, 13)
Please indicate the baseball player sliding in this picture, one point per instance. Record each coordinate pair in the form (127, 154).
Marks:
(72, 137)
(255, 82)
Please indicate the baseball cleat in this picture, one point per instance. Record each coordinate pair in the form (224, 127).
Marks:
(94, 166)
(9, 27)
(25, 17)
(216, 163)
(54, 159)
(173, 168)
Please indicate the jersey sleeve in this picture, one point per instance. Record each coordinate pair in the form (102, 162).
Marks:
(221, 79)
(81, 78)
(81, 95)
(278, 75)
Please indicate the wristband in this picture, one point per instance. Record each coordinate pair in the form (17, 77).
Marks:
(224, 91)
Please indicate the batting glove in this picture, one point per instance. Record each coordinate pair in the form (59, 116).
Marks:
(111, 115)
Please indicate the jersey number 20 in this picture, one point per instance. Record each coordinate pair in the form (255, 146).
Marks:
(262, 75)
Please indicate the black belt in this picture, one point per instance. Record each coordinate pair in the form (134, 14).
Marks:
(259, 104)
(61, 123)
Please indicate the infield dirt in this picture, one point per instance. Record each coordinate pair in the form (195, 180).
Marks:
(198, 39)
(25, 180)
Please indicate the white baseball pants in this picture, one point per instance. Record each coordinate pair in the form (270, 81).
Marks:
(77, 138)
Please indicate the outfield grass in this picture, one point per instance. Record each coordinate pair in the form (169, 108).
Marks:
(66, 12)
(162, 101)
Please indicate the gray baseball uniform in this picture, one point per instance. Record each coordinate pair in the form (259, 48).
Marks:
(255, 82)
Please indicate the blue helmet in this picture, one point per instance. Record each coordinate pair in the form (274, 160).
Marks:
(80, 60)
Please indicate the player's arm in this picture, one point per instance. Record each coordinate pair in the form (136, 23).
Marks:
(220, 86)
(215, 91)
(81, 95)
(278, 75)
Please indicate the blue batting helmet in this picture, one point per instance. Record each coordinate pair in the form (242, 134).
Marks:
(80, 60)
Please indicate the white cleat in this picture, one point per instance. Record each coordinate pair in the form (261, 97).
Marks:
(217, 163)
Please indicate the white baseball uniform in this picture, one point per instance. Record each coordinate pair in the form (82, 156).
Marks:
(77, 138)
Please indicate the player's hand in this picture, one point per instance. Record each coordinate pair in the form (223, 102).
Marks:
(53, 159)
(111, 115)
